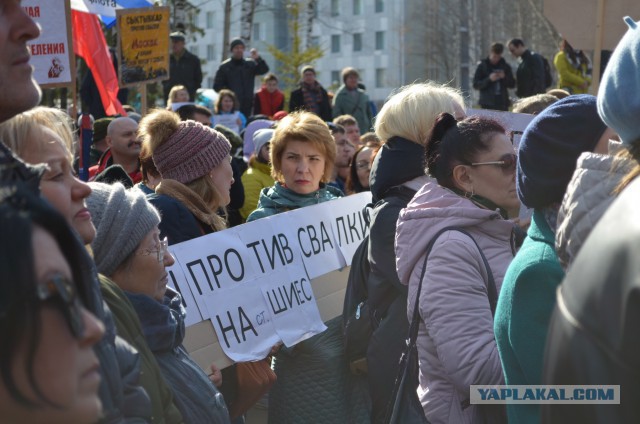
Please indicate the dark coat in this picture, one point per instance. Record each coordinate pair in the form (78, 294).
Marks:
(593, 334)
(239, 77)
(198, 400)
(493, 94)
(297, 102)
(184, 71)
(398, 161)
(530, 75)
(129, 328)
(177, 222)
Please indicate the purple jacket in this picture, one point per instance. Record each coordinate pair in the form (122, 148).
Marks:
(456, 344)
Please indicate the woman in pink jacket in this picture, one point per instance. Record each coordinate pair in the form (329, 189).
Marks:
(473, 162)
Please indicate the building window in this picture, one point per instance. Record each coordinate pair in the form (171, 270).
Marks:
(194, 49)
(210, 82)
(335, 43)
(335, 77)
(211, 16)
(335, 7)
(379, 40)
(381, 76)
(357, 42)
(314, 41)
(379, 7)
(211, 51)
(256, 31)
(357, 7)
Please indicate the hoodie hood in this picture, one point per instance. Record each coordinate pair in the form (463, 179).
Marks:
(398, 161)
(434, 208)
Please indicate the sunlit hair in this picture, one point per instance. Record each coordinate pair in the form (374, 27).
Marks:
(16, 133)
(206, 189)
(147, 166)
(173, 94)
(411, 111)
(345, 120)
(347, 72)
(306, 127)
(534, 104)
(226, 93)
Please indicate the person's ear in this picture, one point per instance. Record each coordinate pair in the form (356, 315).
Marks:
(462, 178)
(108, 140)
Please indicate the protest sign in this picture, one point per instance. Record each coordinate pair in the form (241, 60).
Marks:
(52, 52)
(143, 45)
(254, 281)
(229, 120)
(514, 123)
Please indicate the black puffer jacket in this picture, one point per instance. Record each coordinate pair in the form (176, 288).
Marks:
(398, 162)
(593, 334)
(493, 94)
(239, 77)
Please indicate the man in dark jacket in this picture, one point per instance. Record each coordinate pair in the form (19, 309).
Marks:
(311, 96)
(238, 74)
(184, 67)
(123, 400)
(530, 73)
(493, 77)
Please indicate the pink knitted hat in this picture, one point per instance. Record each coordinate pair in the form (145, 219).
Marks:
(191, 152)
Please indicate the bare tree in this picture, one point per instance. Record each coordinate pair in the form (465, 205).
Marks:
(246, 19)
(226, 29)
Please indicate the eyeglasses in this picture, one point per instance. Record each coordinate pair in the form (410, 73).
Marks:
(64, 291)
(363, 164)
(507, 163)
(160, 251)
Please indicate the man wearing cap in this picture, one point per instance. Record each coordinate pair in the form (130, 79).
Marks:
(184, 67)
(238, 74)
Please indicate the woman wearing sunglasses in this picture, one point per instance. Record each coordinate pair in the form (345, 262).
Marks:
(49, 371)
(128, 249)
(473, 163)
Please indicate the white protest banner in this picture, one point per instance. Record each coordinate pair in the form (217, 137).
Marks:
(254, 280)
(292, 305)
(213, 262)
(241, 321)
(229, 120)
(515, 123)
(52, 52)
(312, 228)
(178, 282)
(350, 225)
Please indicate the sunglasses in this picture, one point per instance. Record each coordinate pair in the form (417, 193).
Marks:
(62, 291)
(507, 163)
(159, 252)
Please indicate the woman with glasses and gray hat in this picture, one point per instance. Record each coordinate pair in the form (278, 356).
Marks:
(129, 251)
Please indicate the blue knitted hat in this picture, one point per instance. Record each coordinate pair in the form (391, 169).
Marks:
(619, 93)
(551, 145)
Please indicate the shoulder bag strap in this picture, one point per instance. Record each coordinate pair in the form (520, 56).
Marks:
(491, 285)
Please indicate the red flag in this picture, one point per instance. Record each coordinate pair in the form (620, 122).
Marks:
(89, 44)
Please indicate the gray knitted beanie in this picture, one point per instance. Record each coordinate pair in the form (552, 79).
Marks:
(122, 218)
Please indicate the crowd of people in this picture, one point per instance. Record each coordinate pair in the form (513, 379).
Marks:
(91, 332)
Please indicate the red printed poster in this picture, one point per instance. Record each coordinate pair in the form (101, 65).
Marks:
(52, 52)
